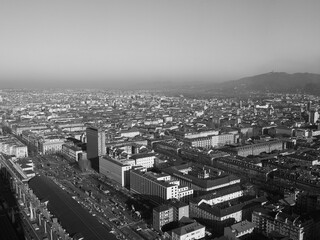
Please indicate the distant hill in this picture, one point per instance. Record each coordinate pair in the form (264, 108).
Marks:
(276, 82)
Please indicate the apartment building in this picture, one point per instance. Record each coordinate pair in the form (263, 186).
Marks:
(227, 213)
(12, 146)
(161, 216)
(257, 148)
(296, 227)
(51, 144)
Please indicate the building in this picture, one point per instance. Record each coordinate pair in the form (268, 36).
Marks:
(201, 178)
(227, 213)
(219, 196)
(309, 106)
(96, 142)
(19, 128)
(189, 231)
(307, 202)
(144, 159)
(180, 210)
(222, 139)
(22, 169)
(116, 169)
(51, 144)
(161, 216)
(12, 146)
(194, 134)
(313, 116)
(293, 226)
(257, 148)
(130, 133)
(158, 187)
(239, 230)
(72, 152)
(204, 142)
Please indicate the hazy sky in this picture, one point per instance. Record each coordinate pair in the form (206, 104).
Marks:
(71, 41)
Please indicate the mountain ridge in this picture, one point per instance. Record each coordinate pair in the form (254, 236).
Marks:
(308, 83)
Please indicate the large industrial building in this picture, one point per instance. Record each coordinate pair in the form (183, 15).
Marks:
(116, 169)
(201, 178)
(158, 187)
(295, 227)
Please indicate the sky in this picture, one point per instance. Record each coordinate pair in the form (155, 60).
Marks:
(76, 42)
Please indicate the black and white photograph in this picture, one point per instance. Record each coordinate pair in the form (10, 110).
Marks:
(160, 120)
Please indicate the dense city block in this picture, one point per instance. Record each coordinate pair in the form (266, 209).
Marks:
(97, 164)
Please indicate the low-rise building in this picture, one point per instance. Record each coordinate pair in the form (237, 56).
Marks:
(144, 159)
(239, 230)
(190, 231)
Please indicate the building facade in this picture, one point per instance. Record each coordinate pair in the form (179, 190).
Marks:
(96, 142)
(190, 231)
(116, 169)
(72, 152)
(294, 227)
(51, 144)
(158, 187)
(161, 216)
(144, 159)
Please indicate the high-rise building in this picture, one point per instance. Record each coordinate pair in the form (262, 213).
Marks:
(313, 116)
(96, 142)
(309, 106)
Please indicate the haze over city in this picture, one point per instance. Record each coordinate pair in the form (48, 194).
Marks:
(156, 120)
(73, 43)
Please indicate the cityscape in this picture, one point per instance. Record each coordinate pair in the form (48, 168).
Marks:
(159, 120)
(94, 164)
